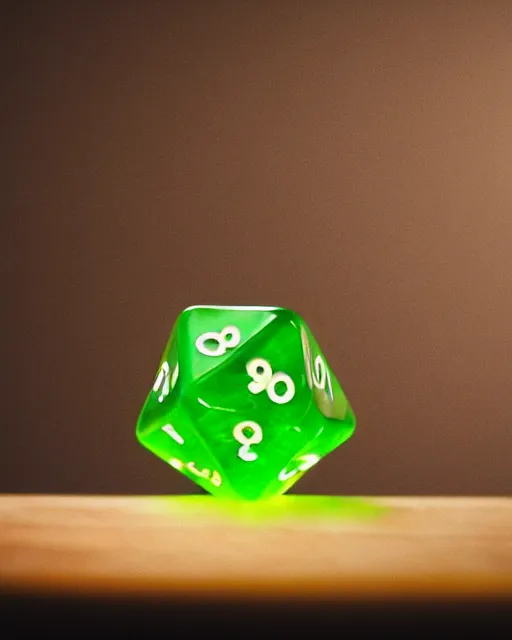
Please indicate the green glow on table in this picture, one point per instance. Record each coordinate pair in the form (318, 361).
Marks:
(314, 509)
(244, 401)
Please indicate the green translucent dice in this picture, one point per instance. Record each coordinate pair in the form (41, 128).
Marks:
(244, 402)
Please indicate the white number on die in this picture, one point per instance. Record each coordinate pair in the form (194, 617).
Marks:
(307, 461)
(171, 431)
(164, 381)
(317, 375)
(239, 433)
(307, 356)
(214, 477)
(263, 379)
(226, 339)
(321, 377)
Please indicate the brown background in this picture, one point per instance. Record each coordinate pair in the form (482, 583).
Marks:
(352, 161)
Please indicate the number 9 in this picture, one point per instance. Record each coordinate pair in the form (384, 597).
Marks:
(261, 374)
(255, 438)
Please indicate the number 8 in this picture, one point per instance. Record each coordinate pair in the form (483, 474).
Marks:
(228, 338)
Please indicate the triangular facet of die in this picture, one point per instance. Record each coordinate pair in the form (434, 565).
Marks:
(172, 437)
(328, 395)
(267, 374)
(213, 334)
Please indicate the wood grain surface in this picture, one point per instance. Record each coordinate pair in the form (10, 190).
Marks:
(296, 546)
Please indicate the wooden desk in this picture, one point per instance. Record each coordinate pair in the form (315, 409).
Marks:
(296, 549)
(299, 546)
